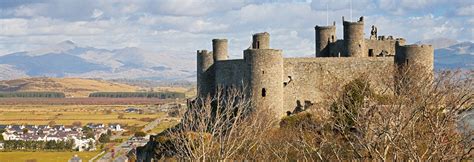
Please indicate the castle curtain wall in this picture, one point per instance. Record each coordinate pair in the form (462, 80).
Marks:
(311, 77)
(232, 73)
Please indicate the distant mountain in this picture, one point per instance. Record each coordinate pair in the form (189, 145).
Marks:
(457, 56)
(66, 59)
(439, 42)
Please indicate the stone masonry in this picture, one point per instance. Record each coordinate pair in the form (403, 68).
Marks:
(280, 84)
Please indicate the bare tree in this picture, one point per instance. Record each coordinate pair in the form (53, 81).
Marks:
(412, 115)
(221, 127)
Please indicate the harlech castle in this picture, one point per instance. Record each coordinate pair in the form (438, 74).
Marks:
(283, 83)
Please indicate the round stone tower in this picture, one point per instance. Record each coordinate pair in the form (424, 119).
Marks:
(354, 43)
(205, 73)
(324, 36)
(261, 41)
(219, 48)
(417, 56)
(266, 79)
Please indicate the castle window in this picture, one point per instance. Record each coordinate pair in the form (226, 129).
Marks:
(263, 72)
(258, 44)
(371, 52)
(264, 92)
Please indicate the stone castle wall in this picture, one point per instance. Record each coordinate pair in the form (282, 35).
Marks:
(311, 77)
(377, 46)
(303, 79)
(232, 72)
(282, 83)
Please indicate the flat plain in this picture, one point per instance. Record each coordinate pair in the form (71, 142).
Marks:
(68, 114)
(17, 156)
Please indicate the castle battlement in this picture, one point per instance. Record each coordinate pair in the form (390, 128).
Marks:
(281, 83)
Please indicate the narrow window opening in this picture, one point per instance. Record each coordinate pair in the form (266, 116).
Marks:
(360, 46)
(264, 92)
(263, 72)
(371, 52)
(258, 44)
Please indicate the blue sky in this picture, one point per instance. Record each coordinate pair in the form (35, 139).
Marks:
(183, 26)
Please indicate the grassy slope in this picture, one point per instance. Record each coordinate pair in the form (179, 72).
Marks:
(72, 87)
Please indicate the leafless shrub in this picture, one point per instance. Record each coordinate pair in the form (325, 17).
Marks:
(221, 127)
(414, 117)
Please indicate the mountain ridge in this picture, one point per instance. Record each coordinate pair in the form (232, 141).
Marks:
(66, 59)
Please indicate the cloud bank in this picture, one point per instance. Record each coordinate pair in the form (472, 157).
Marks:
(183, 26)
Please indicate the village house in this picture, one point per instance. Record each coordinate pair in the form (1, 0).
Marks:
(57, 133)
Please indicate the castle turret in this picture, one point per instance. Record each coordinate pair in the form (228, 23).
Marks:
(261, 41)
(219, 48)
(354, 43)
(324, 36)
(415, 66)
(419, 56)
(205, 73)
(266, 78)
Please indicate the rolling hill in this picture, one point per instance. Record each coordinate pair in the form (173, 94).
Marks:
(72, 87)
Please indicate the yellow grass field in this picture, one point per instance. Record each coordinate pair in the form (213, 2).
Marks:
(72, 87)
(163, 125)
(44, 156)
(67, 114)
(188, 91)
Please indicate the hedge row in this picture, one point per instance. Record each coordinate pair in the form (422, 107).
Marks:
(161, 95)
(32, 95)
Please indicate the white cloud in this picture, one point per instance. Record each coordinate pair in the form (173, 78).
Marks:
(185, 26)
(97, 13)
(466, 10)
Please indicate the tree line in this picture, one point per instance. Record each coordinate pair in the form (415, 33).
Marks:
(161, 95)
(39, 145)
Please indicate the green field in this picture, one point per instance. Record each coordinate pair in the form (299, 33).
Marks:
(44, 156)
(67, 114)
(163, 125)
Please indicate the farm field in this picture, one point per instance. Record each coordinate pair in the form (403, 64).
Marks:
(164, 124)
(83, 101)
(67, 114)
(44, 156)
(72, 87)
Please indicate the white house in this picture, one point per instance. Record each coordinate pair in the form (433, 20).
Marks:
(82, 144)
(115, 127)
